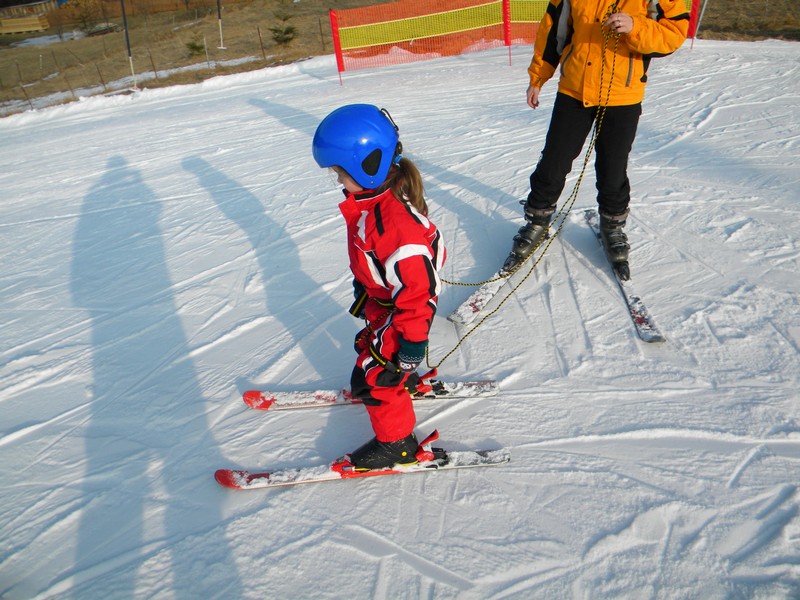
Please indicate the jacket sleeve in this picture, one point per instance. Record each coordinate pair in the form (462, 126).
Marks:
(415, 286)
(553, 34)
(662, 35)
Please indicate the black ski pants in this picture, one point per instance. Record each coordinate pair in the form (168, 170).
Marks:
(570, 125)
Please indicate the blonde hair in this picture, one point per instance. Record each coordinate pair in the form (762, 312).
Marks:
(405, 181)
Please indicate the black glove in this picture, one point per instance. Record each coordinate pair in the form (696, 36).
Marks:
(411, 382)
(392, 376)
(403, 369)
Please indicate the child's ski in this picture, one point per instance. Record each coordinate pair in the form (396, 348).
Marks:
(427, 389)
(430, 459)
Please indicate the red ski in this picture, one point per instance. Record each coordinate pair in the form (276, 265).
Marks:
(428, 388)
(429, 459)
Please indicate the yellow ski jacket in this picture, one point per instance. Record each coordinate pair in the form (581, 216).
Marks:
(571, 34)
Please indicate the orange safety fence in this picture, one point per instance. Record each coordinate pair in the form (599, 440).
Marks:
(413, 30)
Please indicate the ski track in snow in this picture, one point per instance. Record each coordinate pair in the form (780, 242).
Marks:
(180, 246)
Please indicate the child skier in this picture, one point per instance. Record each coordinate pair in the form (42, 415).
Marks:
(395, 253)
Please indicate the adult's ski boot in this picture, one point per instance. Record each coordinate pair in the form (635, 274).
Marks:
(526, 241)
(615, 242)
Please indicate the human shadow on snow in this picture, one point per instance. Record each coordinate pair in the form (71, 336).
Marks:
(320, 327)
(147, 440)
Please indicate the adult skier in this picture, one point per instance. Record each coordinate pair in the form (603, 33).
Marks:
(604, 50)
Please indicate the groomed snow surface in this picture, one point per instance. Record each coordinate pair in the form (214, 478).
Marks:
(163, 252)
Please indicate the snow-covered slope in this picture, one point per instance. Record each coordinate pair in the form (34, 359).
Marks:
(163, 252)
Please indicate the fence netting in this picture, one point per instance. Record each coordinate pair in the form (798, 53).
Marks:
(413, 30)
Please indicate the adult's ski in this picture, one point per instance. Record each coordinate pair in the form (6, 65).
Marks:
(430, 459)
(645, 326)
(428, 388)
(469, 310)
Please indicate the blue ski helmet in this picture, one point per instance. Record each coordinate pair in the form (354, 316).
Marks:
(362, 139)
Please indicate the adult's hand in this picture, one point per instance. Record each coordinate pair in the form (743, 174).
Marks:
(533, 97)
(619, 23)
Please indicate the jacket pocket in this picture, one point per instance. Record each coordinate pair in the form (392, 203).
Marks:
(629, 78)
(565, 60)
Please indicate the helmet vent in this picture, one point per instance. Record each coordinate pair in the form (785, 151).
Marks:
(372, 162)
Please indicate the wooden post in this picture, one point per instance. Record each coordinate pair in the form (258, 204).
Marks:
(261, 42)
(152, 64)
(69, 85)
(100, 75)
(22, 87)
(205, 47)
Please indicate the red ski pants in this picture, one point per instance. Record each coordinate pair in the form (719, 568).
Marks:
(383, 392)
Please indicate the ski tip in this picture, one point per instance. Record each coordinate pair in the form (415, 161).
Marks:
(257, 399)
(231, 479)
(458, 317)
(501, 456)
(475, 389)
(652, 338)
(477, 458)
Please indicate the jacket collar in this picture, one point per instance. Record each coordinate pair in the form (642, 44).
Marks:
(355, 203)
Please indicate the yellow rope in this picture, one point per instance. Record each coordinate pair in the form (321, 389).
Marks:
(562, 214)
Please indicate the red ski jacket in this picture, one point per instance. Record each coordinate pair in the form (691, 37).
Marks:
(395, 253)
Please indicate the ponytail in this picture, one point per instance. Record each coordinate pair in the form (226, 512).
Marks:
(406, 183)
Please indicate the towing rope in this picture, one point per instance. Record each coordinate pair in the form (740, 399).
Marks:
(561, 217)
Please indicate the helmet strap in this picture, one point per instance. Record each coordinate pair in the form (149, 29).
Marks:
(391, 120)
(398, 154)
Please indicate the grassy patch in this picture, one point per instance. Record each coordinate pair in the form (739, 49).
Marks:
(751, 20)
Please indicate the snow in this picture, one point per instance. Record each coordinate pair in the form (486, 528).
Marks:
(45, 40)
(164, 251)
